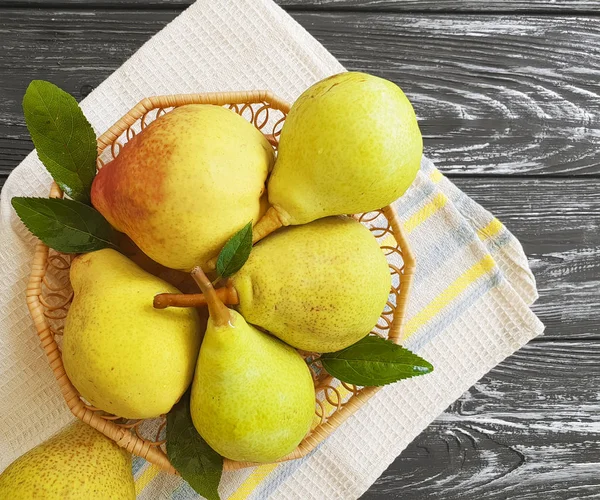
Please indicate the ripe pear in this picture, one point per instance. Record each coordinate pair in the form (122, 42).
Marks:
(184, 185)
(78, 462)
(253, 397)
(319, 287)
(350, 144)
(122, 355)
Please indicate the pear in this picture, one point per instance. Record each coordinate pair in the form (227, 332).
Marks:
(184, 185)
(253, 397)
(319, 287)
(79, 462)
(122, 355)
(350, 144)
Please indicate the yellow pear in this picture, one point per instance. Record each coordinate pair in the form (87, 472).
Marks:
(350, 144)
(183, 186)
(253, 396)
(319, 287)
(122, 355)
(77, 463)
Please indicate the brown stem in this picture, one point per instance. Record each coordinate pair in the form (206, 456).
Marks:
(219, 312)
(227, 294)
(270, 222)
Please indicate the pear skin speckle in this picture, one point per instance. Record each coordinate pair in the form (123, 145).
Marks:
(319, 287)
(123, 355)
(186, 184)
(253, 397)
(77, 463)
(350, 144)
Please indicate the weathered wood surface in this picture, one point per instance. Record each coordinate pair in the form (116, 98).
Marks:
(511, 98)
(547, 6)
(494, 94)
(529, 430)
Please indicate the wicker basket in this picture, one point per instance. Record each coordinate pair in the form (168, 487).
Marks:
(49, 293)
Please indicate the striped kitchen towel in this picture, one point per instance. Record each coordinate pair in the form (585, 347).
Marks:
(468, 310)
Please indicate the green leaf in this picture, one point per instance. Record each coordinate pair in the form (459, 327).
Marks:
(64, 139)
(235, 253)
(197, 462)
(374, 361)
(65, 225)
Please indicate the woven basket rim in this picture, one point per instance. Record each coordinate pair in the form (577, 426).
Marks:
(125, 438)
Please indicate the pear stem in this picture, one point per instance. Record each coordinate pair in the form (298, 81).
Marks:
(227, 294)
(219, 312)
(269, 222)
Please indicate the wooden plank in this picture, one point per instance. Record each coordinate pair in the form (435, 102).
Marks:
(558, 223)
(381, 5)
(530, 429)
(448, 5)
(494, 94)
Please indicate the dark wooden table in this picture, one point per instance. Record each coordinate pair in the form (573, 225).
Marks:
(508, 97)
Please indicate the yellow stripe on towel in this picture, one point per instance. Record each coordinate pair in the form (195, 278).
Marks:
(491, 230)
(454, 290)
(439, 201)
(436, 176)
(252, 481)
(145, 477)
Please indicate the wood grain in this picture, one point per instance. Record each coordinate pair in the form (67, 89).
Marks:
(546, 6)
(494, 94)
(75, 50)
(530, 429)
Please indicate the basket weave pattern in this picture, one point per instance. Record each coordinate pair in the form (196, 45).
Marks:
(49, 292)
